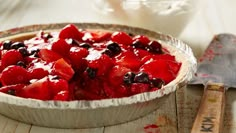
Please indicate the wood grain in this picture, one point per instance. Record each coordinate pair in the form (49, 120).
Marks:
(211, 110)
(215, 16)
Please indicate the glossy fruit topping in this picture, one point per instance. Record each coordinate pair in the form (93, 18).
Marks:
(75, 64)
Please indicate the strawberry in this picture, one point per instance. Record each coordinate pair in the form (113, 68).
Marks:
(139, 88)
(70, 31)
(62, 96)
(14, 75)
(102, 64)
(158, 69)
(141, 53)
(141, 38)
(11, 57)
(174, 66)
(76, 56)
(78, 52)
(61, 47)
(63, 69)
(37, 73)
(96, 36)
(128, 59)
(116, 75)
(57, 86)
(157, 57)
(37, 90)
(30, 59)
(1, 66)
(121, 38)
(48, 55)
(165, 57)
(12, 89)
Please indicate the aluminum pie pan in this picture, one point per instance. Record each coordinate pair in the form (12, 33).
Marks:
(96, 113)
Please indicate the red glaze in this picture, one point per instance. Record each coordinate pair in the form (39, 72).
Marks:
(102, 67)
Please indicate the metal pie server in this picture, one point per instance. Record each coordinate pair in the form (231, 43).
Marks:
(217, 72)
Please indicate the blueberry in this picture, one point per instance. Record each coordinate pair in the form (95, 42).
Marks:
(34, 52)
(85, 45)
(11, 92)
(155, 47)
(21, 64)
(7, 44)
(141, 77)
(138, 44)
(23, 51)
(108, 52)
(157, 82)
(91, 72)
(129, 78)
(114, 47)
(17, 45)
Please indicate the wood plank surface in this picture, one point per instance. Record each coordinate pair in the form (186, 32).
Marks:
(214, 16)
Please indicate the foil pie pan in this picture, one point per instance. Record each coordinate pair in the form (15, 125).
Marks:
(96, 113)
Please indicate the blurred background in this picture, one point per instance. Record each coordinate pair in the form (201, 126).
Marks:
(193, 21)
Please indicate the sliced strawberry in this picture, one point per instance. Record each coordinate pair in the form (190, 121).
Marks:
(141, 53)
(139, 88)
(63, 69)
(76, 56)
(128, 59)
(116, 75)
(141, 38)
(174, 66)
(48, 55)
(70, 31)
(61, 47)
(102, 64)
(37, 90)
(1, 66)
(146, 58)
(58, 85)
(121, 38)
(11, 57)
(62, 96)
(164, 57)
(96, 36)
(30, 59)
(38, 73)
(78, 52)
(14, 75)
(158, 57)
(12, 89)
(158, 69)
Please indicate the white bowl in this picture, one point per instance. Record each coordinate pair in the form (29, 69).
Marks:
(83, 114)
(166, 16)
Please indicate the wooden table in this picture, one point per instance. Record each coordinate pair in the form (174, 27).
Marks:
(215, 16)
